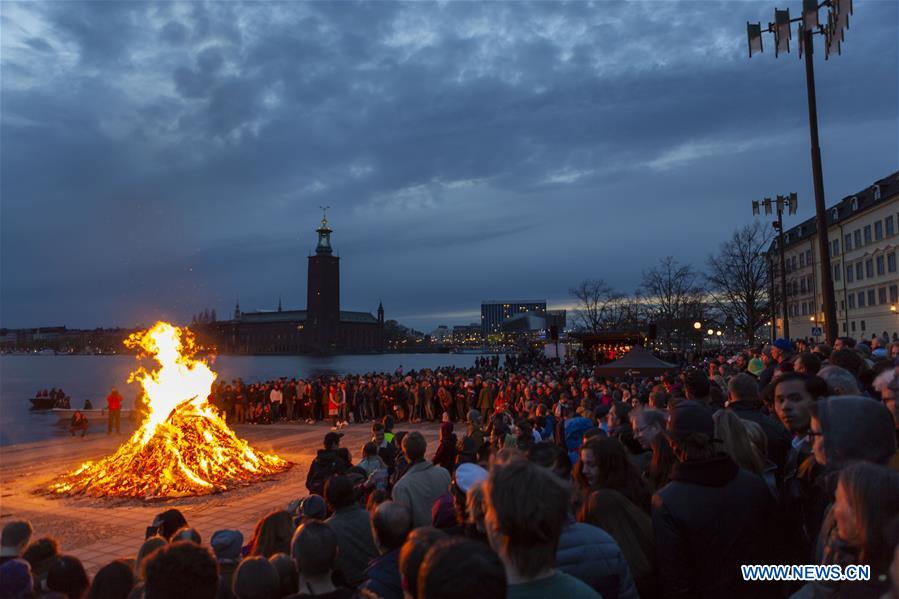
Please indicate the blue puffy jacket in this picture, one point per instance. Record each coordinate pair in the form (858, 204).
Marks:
(591, 555)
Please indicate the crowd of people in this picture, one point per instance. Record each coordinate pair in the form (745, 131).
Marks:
(557, 483)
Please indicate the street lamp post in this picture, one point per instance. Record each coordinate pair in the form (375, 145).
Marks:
(697, 326)
(834, 33)
(789, 203)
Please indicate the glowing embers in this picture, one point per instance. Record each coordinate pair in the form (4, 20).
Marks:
(183, 447)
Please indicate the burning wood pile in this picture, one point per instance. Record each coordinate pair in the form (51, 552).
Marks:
(183, 447)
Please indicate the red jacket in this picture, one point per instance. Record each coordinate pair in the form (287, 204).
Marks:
(114, 401)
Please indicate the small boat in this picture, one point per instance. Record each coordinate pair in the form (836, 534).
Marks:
(42, 403)
(91, 415)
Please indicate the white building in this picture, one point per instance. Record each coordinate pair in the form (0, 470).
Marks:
(863, 234)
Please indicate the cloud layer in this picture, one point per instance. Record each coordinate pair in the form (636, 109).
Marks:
(162, 158)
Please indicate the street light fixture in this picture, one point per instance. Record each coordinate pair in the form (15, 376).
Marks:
(790, 203)
(697, 325)
(710, 332)
(834, 33)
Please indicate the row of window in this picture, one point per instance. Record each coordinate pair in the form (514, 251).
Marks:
(861, 299)
(873, 297)
(865, 236)
(882, 264)
(804, 259)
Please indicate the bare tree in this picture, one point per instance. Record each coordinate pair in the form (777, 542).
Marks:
(672, 294)
(597, 302)
(738, 277)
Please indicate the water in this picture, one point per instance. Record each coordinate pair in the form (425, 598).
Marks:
(91, 377)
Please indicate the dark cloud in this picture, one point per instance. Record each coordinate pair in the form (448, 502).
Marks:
(161, 158)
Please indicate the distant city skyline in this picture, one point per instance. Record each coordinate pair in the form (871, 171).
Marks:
(163, 158)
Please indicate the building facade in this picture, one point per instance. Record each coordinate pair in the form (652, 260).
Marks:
(863, 239)
(495, 312)
(321, 328)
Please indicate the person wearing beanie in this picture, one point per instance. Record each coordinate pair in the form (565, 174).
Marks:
(226, 545)
(15, 579)
(701, 551)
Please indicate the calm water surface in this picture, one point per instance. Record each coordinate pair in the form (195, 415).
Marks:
(91, 377)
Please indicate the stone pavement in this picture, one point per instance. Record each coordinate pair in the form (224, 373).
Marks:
(98, 530)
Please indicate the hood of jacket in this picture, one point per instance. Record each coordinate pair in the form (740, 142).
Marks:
(856, 428)
(713, 472)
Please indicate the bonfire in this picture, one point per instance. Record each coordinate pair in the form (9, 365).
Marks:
(183, 446)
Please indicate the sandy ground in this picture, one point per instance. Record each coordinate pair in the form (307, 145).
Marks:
(98, 530)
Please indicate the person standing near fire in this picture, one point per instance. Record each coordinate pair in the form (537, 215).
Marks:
(114, 405)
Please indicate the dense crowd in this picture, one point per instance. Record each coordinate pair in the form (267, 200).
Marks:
(556, 483)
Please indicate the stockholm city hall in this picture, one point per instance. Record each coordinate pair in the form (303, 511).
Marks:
(322, 328)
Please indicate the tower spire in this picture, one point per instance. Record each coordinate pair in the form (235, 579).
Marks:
(324, 234)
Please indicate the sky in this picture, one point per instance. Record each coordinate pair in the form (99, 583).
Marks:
(157, 159)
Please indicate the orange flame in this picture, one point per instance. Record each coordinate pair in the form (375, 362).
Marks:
(183, 447)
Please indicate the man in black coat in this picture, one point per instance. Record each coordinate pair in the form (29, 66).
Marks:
(743, 399)
(330, 461)
(711, 518)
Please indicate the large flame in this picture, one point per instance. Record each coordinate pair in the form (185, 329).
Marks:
(183, 447)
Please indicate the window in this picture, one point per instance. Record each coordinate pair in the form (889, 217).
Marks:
(888, 224)
(878, 231)
(836, 272)
(867, 234)
(853, 326)
(850, 274)
(793, 260)
(857, 238)
(802, 287)
(891, 262)
(871, 297)
(851, 301)
(859, 273)
(804, 309)
(862, 325)
(861, 299)
(854, 203)
(882, 295)
(808, 257)
(869, 268)
(801, 260)
(876, 192)
(847, 243)
(894, 293)
(842, 305)
(880, 269)
(835, 247)
(835, 214)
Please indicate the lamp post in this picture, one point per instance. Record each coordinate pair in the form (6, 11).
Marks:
(697, 326)
(837, 22)
(781, 203)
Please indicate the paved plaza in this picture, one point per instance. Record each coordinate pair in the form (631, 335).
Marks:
(99, 530)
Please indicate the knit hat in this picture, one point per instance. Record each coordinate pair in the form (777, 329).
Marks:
(467, 475)
(690, 417)
(756, 367)
(226, 544)
(311, 506)
(783, 345)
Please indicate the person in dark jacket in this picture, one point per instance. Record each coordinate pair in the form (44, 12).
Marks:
(351, 523)
(446, 448)
(743, 399)
(698, 551)
(391, 523)
(328, 462)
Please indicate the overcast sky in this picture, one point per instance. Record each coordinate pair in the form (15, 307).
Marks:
(158, 159)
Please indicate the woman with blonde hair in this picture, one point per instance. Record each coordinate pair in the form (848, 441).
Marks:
(730, 430)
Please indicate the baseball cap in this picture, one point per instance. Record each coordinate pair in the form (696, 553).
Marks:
(332, 438)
